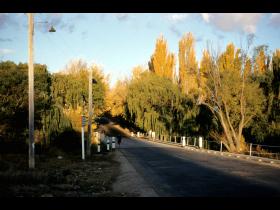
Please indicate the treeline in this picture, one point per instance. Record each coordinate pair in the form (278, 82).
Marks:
(228, 96)
(60, 99)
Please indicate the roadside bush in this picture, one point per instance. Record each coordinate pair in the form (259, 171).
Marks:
(68, 141)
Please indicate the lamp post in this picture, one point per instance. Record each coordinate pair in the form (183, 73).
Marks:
(31, 152)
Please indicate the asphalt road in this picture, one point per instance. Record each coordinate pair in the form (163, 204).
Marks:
(174, 171)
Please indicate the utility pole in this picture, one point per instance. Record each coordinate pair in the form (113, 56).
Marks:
(31, 151)
(89, 111)
(31, 91)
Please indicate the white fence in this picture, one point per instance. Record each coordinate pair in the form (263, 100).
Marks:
(108, 142)
(258, 150)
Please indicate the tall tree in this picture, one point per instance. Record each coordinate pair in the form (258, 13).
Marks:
(162, 62)
(70, 90)
(230, 60)
(276, 73)
(266, 125)
(118, 95)
(14, 98)
(261, 59)
(205, 65)
(248, 67)
(188, 68)
(154, 103)
(116, 99)
(275, 111)
(233, 97)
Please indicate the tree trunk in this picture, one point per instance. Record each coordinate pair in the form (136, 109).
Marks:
(228, 135)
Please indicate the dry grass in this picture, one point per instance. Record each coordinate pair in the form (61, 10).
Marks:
(69, 176)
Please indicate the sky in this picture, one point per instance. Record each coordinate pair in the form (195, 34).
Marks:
(117, 42)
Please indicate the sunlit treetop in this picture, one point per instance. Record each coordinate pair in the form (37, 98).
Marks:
(162, 62)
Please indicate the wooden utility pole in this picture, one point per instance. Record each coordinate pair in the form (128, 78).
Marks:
(89, 111)
(31, 91)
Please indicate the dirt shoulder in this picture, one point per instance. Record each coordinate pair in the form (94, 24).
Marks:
(60, 174)
(129, 182)
(66, 176)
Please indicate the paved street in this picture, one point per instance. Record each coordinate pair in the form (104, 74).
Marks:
(173, 171)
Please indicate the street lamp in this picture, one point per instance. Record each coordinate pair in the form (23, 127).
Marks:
(31, 90)
(52, 29)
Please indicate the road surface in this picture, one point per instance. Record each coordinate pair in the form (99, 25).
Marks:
(174, 171)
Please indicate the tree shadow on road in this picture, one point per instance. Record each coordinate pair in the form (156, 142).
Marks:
(112, 129)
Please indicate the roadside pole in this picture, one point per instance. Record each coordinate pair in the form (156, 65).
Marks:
(98, 147)
(108, 143)
(83, 138)
(31, 155)
(200, 143)
(183, 141)
(90, 112)
(98, 142)
(31, 91)
(250, 149)
(113, 143)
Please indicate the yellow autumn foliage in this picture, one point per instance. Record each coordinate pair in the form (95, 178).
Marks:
(248, 68)
(230, 60)
(260, 65)
(188, 68)
(162, 62)
(205, 65)
(116, 98)
(276, 53)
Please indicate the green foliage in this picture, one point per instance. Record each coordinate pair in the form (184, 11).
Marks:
(14, 98)
(70, 92)
(54, 95)
(70, 89)
(206, 122)
(275, 110)
(50, 120)
(266, 126)
(248, 102)
(155, 103)
(231, 92)
(234, 98)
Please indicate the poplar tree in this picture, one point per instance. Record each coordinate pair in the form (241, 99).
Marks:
(188, 68)
(205, 65)
(260, 61)
(162, 62)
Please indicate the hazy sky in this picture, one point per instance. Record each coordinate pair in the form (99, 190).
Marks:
(118, 42)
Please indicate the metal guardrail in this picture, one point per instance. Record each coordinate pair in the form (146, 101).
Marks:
(213, 147)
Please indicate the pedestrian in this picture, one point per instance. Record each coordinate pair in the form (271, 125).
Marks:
(119, 140)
